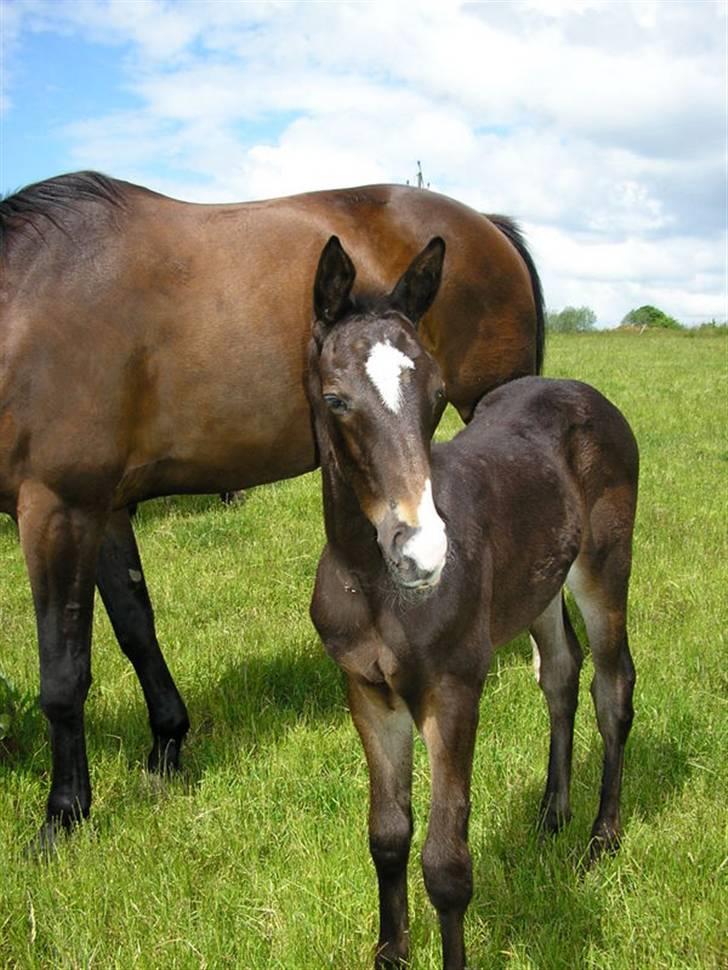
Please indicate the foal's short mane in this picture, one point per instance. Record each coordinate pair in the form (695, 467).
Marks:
(57, 201)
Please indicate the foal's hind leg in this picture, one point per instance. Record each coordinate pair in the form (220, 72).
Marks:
(385, 727)
(558, 658)
(60, 545)
(121, 583)
(599, 585)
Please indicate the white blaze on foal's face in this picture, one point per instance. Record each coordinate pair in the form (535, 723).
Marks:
(384, 368)
(428, 546)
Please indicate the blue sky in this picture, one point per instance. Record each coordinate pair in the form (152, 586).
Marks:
(56, 79)
(600, 125)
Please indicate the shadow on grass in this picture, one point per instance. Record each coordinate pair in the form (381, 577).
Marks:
(257, 702)
(250, 706)
(534, 893)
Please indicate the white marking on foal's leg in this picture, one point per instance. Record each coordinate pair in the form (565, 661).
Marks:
(536, 660)
(384, 367)
(428, 546)
(586, 595)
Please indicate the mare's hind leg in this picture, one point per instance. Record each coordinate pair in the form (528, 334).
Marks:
(60, 545)
(123, 590)
(557, 659)
(599, 584)
(385, 727)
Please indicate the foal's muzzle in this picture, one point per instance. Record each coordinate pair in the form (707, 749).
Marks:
(415, 555)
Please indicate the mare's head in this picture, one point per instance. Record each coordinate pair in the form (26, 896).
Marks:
(380, 395)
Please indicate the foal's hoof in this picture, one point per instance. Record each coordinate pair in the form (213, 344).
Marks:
(605, 840)
(164, 756)
(550, 820)
(390, 957)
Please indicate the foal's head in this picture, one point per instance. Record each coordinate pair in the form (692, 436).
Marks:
(381, 396)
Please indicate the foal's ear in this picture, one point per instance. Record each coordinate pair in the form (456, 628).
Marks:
(418, 286)
(334, 280)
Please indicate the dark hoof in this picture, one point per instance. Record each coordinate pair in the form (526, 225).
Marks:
(45, 844)
(164, 757)
(233, 498)
(389, 957)
(604, 840)
(551, 821)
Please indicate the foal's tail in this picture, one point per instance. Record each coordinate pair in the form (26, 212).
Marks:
(512, 232)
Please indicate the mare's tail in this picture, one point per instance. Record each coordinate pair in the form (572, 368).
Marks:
(512, 232)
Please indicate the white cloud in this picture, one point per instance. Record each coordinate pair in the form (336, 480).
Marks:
(602, 126)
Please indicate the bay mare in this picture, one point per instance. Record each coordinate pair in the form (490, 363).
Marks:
(152, 347)
(435, 557)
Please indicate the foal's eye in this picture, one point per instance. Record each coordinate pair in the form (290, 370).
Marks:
(336, 404)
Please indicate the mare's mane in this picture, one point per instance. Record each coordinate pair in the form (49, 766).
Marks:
(57, 201)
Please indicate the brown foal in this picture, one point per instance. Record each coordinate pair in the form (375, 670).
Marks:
(435, 556)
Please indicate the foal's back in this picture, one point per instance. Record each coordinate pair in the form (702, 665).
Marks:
(545, 470)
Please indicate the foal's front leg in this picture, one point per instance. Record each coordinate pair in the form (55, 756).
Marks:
(448, 718)
(385, 727)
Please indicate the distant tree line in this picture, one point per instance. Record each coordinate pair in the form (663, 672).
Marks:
(574, 319)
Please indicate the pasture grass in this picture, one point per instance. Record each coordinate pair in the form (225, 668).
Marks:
(256, 855)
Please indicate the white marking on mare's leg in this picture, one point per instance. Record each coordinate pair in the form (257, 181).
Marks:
(384, 368)
(428, 546)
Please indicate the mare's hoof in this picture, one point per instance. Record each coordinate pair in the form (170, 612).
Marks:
(233, 498)
(164, 756)
(46, 842)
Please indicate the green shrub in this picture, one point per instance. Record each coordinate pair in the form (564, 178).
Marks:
(650, 316)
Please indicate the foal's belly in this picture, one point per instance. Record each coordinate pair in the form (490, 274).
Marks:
(519, 600)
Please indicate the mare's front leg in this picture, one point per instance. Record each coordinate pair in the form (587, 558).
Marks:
(60, 545)
(385, 727)
(448, 718)
(120, 580)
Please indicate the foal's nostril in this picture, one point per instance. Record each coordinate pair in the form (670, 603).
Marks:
(398, 540)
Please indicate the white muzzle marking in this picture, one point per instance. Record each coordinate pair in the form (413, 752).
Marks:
(384, 368)
(428, 546)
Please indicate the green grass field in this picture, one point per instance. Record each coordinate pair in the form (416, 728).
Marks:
(256, 856)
